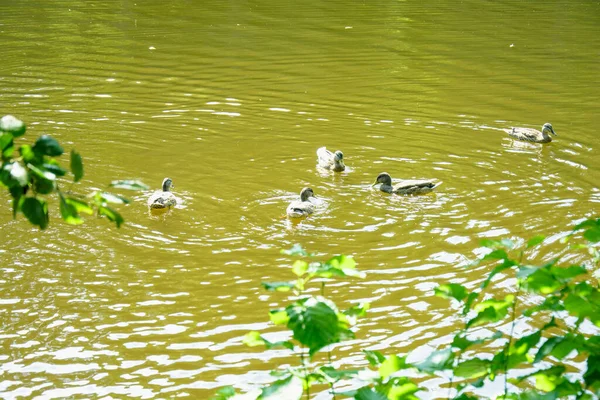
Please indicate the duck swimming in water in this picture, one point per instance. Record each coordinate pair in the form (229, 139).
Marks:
(404, 186)
(533, 135)
(162, 199)
(331, 161)
(302, 208)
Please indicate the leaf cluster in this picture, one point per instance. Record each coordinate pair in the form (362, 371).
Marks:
(31, 172)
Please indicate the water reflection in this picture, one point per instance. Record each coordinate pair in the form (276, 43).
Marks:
(232, 103)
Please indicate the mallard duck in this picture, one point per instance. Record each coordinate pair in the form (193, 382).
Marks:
(533, 135)
(302, 208)
(404, 186)
(332, 161)
(163, 198)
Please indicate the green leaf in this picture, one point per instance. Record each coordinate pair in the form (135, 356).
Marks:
(359, 310)
(315, 324)
(224, 393)
(542, 281)
(79, 205)
(112, 198)
(402, 390)
(374, 358)
(469, 302)
(335, 375)
(54, 168)
(367, 393)
(29, 156)
(255, 339)
(451, 290)
(498, 244)
(112, 215)
(462, 343)
(7, 145)
(129, 184)
(43, 180)
(76, 166)
(69, 212)
(299, 267)
(13, 174)
(392, 364)
(36, 211)
(508, 263)
(47, 146)
(473, 368)
(592, 374)
(288, 388)
(279, 317)
(12, 125)
(498, 254)
(565, 274)
(437, 361)
(491, 311)
(534, 241)
(279, 286)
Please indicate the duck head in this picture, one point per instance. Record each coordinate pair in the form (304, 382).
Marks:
(167, 185)
(547, 127)
(306, 193)
(383, 178)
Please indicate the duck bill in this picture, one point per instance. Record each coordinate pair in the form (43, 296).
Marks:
(554, 133)
(374, 184)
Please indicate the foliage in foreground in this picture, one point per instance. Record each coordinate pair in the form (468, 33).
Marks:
(33, 170)
(539, 364)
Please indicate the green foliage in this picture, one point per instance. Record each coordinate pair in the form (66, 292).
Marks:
(33, 171)
(566, 298)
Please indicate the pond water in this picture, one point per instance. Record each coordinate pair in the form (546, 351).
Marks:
(231, 99)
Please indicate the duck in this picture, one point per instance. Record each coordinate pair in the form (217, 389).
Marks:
(302, 208)
(533, 135)
(404, 186)
(331, 161)
(162, 199)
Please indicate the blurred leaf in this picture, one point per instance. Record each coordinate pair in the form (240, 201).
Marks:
(12, 125)
(299, 267)
(43, 180)
(462, 343)
(498, 244)
(279, 317)
(47, 146)
(129, 184)
(403, 390)
(547, 379)
(335, 266)
(392, 364)
(113, 198)
(79, 205)
(469, 302)
(29, 156)
(224, 393)
(359, 310)
(565, 274)
(491, 311)
(54, 168)
(374, 358)
(336, 374)
(451, 290)
(508, 263)
(69, 212)
(534, 241)
(473, 368)
(522, 345)
(7, 146)
(593, 234)
(542, 282)
(36, 211)
(436, 361)
(13, 174)
(255, 339)
(279, 286)
(76, 166)
(498, 254)
(592, 374)
(367, 393)
(289, 388)
(111, 214)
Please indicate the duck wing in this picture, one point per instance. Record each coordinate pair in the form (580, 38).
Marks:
(526, 134)
(325, 158)
(414, 183)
